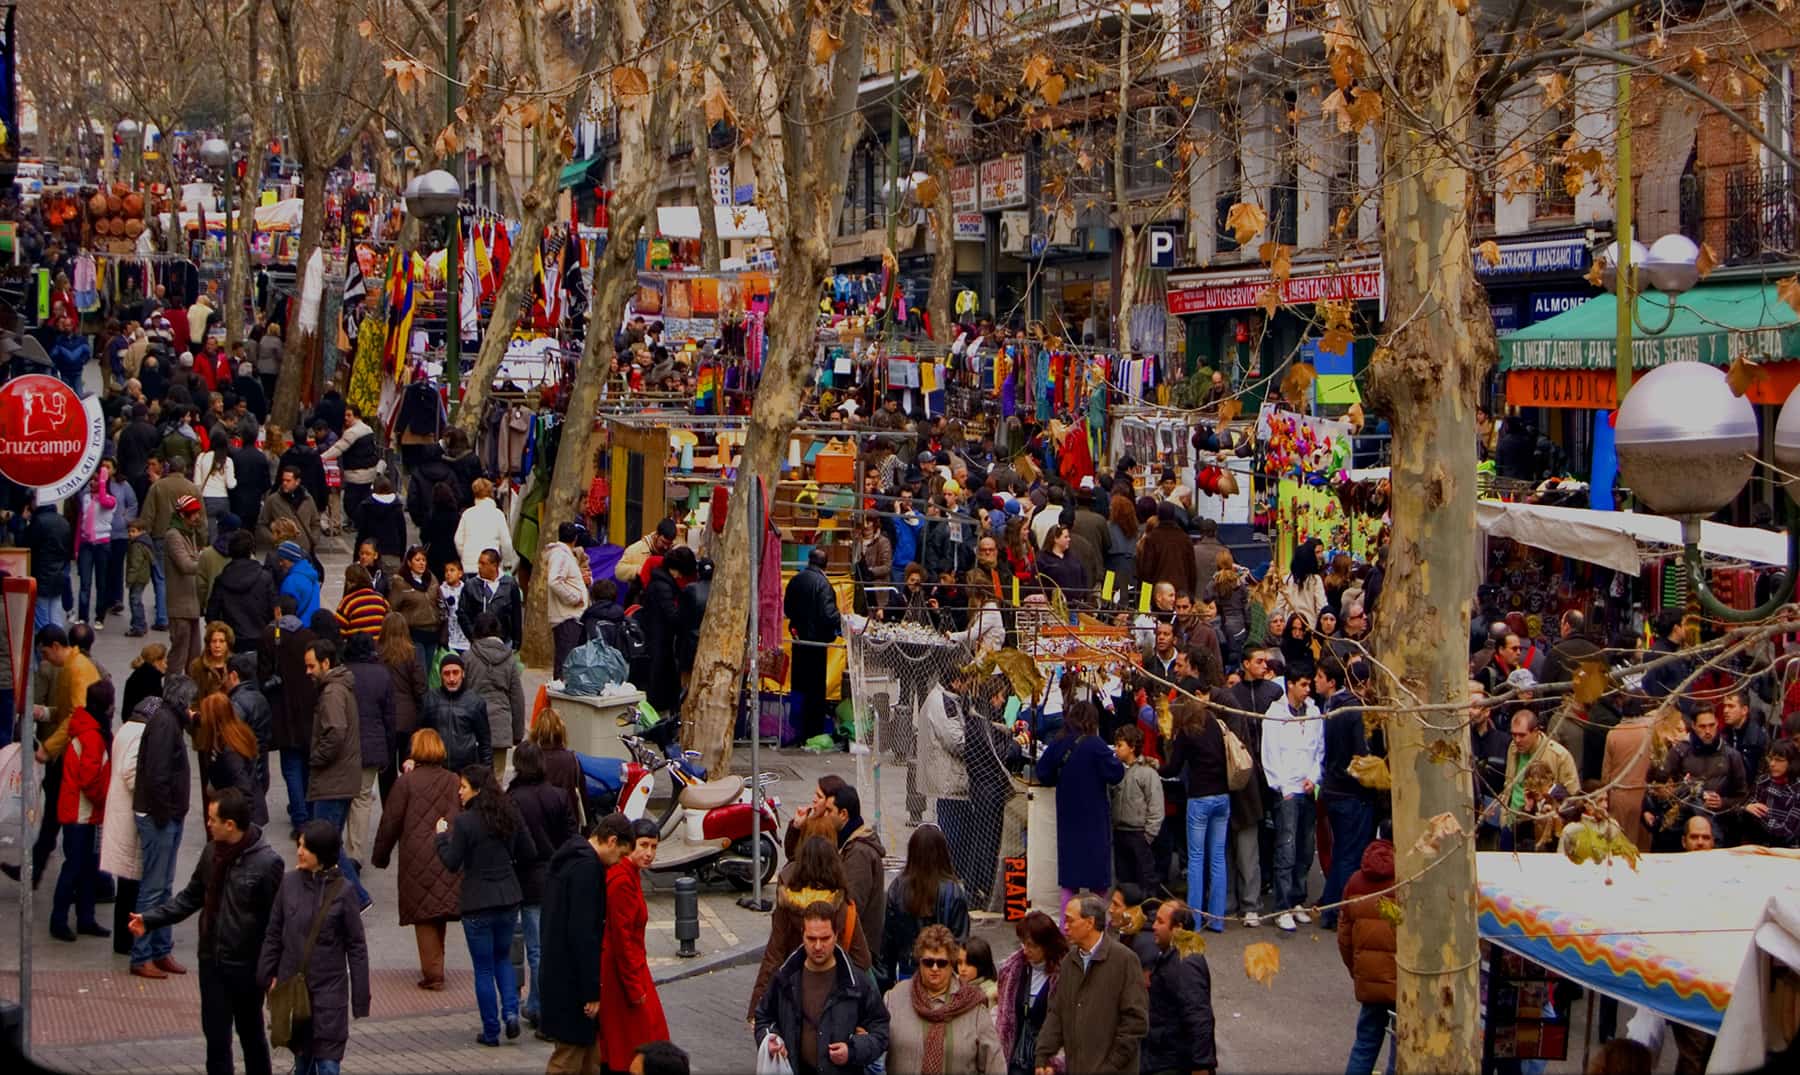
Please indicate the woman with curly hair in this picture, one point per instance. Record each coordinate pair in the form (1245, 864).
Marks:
(208, 670)
(1027, 981)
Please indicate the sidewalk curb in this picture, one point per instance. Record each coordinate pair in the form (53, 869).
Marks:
(741, 956)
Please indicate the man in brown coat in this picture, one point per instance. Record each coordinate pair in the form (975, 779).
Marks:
(1366, 942)
(1100, 1009)
(1166, 554)
(334, 764)
(1623, 772)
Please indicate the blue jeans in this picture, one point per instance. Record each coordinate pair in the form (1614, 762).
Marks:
(337, 811)
(307, 1065)
(1293, 850)
(112, 588)
(1371, 1032)
(159, 582)
(489, 935)
(530, 917)
(78, 881)
(293, 774)
(1352, 827)
(49, 610)
(136, 604)
(158, 845)
(90, 565)
(1208, 821)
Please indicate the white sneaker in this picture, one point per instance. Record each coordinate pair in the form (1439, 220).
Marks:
(1286, 922)
(1302, 917)
(1252, 920)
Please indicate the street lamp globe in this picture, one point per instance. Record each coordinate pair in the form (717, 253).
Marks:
(1673, 265)
(432, 195)
(1609, 263)
(128, 129)
(392, 137)
(216, 152)
(1787, 444)
(1685, 440)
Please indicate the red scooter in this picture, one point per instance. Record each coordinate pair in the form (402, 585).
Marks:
(707, 826)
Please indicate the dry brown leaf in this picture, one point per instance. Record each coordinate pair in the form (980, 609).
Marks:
(1695, 61)
(629, 81)
(1246, 221)
(1437, 830)
(1442, 751)
(566, 142)
(529, 113)
(1341, 225)
(1336, 105)
(1052, 89)
(1590, 682)
(366, 28)
(937, 87)
(1489, 251)
(1594, 276)
(1706, 262)
(824, 44)
(1365, 109)
(1262, 961)
(1555, 86)
(987, 104)
(1371, 772)
(1037, 68)
(927, 190)
(1269, 300)
(1337, 339)
(1297, 382)
(1345, 54)
(1461, 6)
(405, 73)
(1788, 291)
(1229, 409)
(1744, 375)
(718, 107)
(447, 141)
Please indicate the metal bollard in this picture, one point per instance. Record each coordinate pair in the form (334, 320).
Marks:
(687, 916)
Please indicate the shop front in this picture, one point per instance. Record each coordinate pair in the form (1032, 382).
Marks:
(1536, 278)
(1566, 365)
(1228, 327)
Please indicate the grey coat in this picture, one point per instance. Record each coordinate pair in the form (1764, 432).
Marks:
(494, 675)
(181, 554)
(336, 755)
(337, 976)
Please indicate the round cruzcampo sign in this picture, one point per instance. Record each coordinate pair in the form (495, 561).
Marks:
(50, 438)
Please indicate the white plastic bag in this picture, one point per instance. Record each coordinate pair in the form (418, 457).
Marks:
(767, 1063)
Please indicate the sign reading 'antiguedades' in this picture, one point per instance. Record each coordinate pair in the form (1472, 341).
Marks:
(50, 438)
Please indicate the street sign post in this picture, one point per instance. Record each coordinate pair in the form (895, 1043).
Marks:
(50, 440)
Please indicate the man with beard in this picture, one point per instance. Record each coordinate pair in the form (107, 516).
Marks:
(290, 500)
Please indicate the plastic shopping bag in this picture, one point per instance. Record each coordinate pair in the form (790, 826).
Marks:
(767, 1063)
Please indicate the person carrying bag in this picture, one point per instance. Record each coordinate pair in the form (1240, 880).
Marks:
(290, 1002)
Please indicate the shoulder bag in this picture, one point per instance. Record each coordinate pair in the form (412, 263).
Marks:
(290, 1003)
(1238, 763)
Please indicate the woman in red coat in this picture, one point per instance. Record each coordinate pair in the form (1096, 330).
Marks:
(630, 1012)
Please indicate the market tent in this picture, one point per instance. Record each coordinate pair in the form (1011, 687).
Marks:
(1611, 538)
(1669, 936)
(1744, 1039)
(284, 214)
(1713, 323)
(734, 221)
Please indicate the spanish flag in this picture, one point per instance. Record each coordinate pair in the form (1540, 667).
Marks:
(399, 314)
(484, 269)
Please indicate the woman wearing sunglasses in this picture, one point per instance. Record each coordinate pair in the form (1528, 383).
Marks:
(938, 1023)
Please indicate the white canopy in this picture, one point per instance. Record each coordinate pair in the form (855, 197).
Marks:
(1611, 538)
(734, 221)
(1746, 1034)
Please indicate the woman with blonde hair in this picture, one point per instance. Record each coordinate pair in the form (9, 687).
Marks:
(429, 891)
(208, 670)
(483, 526)
(227, 749)
(146, 678)
(562, 769)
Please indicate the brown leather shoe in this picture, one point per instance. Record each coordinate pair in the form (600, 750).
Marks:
(432, 985)
(168, 963)
(147, 970)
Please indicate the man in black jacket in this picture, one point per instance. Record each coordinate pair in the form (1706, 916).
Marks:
(842, 1032)
(160, 803)
(574, 922)
(243, 688)
(459, 716)
(52, 544)
(233, 887)
(138, 441)
(492, 591)
(243, 596)
(1181, 1013)
(1252, 856)
(812, 612)
(661, 618)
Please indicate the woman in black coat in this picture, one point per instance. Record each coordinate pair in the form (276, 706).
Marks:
(1055, 564)
(482, 845)
(545, 811)
(337, 975)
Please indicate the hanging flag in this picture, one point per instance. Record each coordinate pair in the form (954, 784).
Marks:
(355, 290)
(502, 252)
(550, 269)
(399, 316)
(484, 269)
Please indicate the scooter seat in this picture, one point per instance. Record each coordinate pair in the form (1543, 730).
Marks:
(712, 794)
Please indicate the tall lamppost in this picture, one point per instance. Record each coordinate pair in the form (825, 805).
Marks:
(432, 196)
(216, 154)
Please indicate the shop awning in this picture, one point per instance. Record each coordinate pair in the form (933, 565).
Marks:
(576, 173)
(734, 222)
(1713, 323)
(1611, 538)
(1636, 938)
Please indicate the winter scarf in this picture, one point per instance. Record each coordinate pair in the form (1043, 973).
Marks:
(223, 856)
(963, 997)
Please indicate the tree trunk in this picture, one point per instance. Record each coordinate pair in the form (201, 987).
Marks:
(285, 408)
(711, 251)
(540, 203)
(237, 285)
(816, 138)
(1128, 232)
(1426, 378)
(943, 264)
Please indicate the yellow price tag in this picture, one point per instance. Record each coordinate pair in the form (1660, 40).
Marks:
(1144, 597)
(1015, 583)
(1106, 587)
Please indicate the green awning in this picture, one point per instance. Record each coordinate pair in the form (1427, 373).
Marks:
(1713, 323)
(576, 172)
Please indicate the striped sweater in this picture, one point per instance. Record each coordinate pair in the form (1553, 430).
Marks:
(361, 613)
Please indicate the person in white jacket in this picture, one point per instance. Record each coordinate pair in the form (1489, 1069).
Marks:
(483, 526)
(568, 595)
(120, 854)
(1293, 757)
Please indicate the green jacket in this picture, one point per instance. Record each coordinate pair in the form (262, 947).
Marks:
(138, 559)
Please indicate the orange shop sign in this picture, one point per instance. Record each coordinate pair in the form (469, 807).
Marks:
(1597, 390)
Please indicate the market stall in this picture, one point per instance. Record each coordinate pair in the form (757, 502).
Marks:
(1613, 538)
(1669, 936)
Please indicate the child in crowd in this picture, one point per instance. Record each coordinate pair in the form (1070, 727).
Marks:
(140, 560)
(1137, 811)
(450, 592)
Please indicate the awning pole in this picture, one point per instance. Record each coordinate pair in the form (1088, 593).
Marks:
(1625, 293)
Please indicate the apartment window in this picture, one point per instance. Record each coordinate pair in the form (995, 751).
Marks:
(1340, 199)
(1762, 202)
(1553, 197)
(1153, 132)
(1778, 115)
